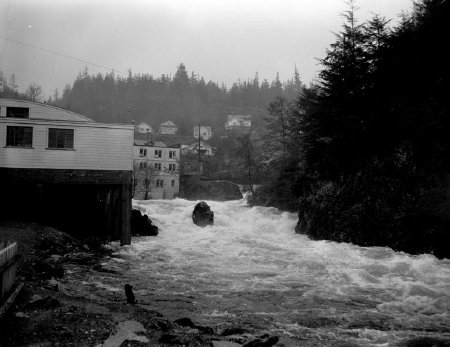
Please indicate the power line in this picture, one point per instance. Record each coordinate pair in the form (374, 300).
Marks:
(62, 55)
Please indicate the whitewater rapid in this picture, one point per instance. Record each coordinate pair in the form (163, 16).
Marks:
(251, 270)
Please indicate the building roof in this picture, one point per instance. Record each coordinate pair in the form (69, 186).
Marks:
(169, 123)
(202, 144)
(51, 112)
(239, 116)
(138, 142)
(202, 126)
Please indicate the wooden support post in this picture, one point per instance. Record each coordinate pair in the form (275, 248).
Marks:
(116, 215)
(125, 235)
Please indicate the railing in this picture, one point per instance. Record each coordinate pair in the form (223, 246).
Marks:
(8, 268)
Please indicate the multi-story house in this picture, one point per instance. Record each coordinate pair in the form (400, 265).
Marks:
(143, 128)
(205, 132)
(240, 123)
(204, 148)
(168, 128)
(156, 172)
(66, 168)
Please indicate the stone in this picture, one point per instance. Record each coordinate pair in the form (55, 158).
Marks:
(35, 298)
(202, 214)
(263, 341)
(233, 331)
(53, 284)
(126, 331)
(142, 225)
(185, 322)
(173, 339)
(55, 258)
(129, 293)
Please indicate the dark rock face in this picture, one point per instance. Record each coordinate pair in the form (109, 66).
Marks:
(129, 293)
(202, 215)
(192, 188)
(141, 225)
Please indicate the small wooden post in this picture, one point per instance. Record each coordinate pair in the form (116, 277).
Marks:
(125, 235)
(8, 267)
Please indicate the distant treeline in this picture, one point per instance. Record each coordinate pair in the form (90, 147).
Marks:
(364, 155)
(184, 99)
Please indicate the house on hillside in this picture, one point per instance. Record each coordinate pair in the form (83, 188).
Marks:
(70, 171)
(205, 149)
(240, 123)
(143, 128)
(156, 172)
(168, 128)
(205, 132)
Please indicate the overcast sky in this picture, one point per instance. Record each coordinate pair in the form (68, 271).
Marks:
(221, 40)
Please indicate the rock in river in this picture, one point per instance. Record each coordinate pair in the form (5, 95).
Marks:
(142, 225)
(202, 215)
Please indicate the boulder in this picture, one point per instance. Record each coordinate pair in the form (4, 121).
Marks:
(129, 293)
(141, 225)
(202, 215)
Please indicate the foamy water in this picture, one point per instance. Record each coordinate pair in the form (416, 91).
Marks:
(251, 270)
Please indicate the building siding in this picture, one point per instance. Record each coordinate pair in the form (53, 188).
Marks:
(95, 148)
(42, 111)
(139, 175)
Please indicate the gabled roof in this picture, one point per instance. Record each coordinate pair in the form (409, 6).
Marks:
(143, 125)
(138, 142)
(45, 111)
(239, 116)
(169, 123)
(202, 126)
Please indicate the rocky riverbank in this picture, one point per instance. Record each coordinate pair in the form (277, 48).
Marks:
(59, 306)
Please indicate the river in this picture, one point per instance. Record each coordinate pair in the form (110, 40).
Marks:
(251, 270)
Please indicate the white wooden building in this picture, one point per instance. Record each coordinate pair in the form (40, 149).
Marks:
(43, 146)
(205, 132)
(143, 128)
(156, 172)
(205, 149)
(168, 128)
(238, 122)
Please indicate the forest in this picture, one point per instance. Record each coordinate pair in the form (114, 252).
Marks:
(364, 154)
(184, 98)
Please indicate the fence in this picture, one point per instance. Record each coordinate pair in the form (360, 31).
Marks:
(8, 267)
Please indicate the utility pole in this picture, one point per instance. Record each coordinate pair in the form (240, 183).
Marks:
(199, 159)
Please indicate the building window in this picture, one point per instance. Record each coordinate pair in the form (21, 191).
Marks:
(160, 183)
(172, 154)
(172, 167)
(158, 166)
(142, 152)
(173, 183)
(19, 136)
(158, 153)
(60, 138)
(18, 112)
(143, 165)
